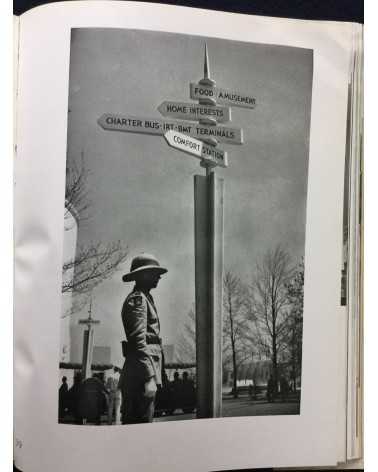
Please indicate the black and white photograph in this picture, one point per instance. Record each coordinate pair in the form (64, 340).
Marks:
(184, 228)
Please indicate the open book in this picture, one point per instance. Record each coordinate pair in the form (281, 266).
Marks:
(187, 239)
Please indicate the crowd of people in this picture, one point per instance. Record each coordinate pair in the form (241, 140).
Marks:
(87, 401)
(177, 394)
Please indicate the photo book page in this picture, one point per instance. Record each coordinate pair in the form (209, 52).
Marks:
(180, 244)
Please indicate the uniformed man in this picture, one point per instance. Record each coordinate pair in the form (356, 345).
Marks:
(142, 370)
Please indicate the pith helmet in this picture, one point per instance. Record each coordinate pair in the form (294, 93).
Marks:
(143, 262)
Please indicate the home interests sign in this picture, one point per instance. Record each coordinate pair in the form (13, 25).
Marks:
(193, 111)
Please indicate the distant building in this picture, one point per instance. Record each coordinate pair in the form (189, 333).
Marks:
(169, 353)
(101, 355)
(257, 373)
(69, 251)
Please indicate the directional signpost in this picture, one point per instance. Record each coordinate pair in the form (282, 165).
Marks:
(198, 135)
(197, 148)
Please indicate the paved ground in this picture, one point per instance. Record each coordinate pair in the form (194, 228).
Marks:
(244, 407)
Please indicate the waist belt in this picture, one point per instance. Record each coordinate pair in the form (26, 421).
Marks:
(150, 339)
(153, 339)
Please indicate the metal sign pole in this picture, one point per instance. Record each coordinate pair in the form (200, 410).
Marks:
(208, 211)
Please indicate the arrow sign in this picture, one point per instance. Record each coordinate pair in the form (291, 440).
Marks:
(158, 126)
(228, 97)
(197, 148)
(191, 111)
(88, 321)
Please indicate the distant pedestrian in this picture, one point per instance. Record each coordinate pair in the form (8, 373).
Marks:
(73, 397)
(92, 400)
(176, 389)
(284, 387)
(271, 389)
(250, 391)
(188, 394)
(120, 400)
(63, 398)
(176, 380)
(112, 388)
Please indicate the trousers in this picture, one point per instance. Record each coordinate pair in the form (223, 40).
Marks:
(114, 402)
(136, 407)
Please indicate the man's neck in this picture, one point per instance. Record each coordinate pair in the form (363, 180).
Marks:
(142, 288)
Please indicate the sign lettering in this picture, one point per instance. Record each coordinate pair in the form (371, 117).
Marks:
(159, 127)
(221, 95)
(192, 111)
(196, 148)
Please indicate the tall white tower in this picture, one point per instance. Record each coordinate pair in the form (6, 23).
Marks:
(69, 252)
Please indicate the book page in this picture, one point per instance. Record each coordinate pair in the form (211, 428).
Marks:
(98, 86)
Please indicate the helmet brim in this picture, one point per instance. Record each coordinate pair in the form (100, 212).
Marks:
(130, 276)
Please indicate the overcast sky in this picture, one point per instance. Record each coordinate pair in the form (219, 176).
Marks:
(142, 190)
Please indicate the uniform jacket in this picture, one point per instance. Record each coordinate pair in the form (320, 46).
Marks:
(141, 324)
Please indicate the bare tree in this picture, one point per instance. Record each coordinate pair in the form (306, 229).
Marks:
(295, 323)
(77, 197)
(236, 342)
(91, 265)
(186, 344)
(76, 305)
(270, 303)
(93, 262)
(235, 325)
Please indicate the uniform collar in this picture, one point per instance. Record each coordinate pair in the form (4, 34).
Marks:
(146, 293)
(140, 289)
